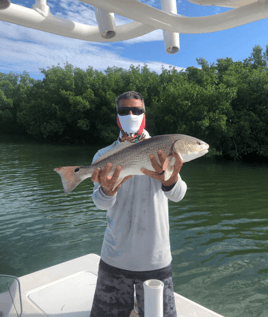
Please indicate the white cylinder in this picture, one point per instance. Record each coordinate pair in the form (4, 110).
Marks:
(171, 39)
(33, 19)
(38, 2)
(106, 23)
(172, 42)
(153, 298)
(169, 6)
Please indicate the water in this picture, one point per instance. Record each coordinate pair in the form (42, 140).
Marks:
(218, 232)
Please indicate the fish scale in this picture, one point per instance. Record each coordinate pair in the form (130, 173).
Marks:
(134, 156)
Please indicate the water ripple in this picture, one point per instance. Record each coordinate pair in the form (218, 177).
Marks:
(218, 232)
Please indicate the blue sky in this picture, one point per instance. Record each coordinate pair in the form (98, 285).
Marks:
(25, 49)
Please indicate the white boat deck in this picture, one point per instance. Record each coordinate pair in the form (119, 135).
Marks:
(67, 290)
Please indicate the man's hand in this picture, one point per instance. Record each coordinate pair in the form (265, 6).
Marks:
(158, 174)
(107, 182)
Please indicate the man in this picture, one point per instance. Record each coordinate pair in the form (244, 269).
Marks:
(136, 244)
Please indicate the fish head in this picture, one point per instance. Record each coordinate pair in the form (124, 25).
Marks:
(190, 148)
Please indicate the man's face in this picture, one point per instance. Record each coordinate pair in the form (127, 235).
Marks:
(137, 103)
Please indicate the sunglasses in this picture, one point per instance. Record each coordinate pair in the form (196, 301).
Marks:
(124, 111)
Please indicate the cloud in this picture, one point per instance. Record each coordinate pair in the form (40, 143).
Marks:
(80, 12)
(27, 49)
(217, 10)
(75, 11)
(156, 35)
(157, 66)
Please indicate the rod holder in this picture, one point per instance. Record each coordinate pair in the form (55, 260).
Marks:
(171, 39)
(153, 298)
(106, 23)
(4, 4)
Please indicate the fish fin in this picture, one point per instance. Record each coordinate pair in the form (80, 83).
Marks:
(69, 178)
(119, 180)
(180, 156)
(115, 149)
(168, 172)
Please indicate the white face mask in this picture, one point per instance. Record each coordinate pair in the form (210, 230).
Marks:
(131, 123)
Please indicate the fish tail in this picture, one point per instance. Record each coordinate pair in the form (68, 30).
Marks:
(69, 178)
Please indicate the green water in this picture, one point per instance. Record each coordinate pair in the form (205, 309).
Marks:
(218, 232)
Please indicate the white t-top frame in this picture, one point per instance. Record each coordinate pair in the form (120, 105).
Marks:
(146, 19)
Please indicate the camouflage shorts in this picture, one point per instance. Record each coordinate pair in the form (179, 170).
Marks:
(114, 294)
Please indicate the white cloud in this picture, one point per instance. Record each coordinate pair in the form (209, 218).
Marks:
(217, 10)
(157, 66)
(153, 3)
(27, 49)
(75, 11)
(156, 35)
(80, 12)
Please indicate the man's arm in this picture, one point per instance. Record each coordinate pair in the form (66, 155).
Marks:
(101, 200)
(177, 192)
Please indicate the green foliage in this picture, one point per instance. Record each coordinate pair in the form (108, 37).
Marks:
(6, 112)
(14, 95)
(247, 128)
(257, 58)
(225, 103)
(189, 108)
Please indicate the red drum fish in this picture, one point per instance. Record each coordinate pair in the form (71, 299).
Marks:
(134, 156)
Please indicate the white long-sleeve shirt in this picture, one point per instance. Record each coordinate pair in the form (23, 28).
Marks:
(137, 233)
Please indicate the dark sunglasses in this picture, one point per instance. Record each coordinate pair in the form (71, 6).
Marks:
(124, 111)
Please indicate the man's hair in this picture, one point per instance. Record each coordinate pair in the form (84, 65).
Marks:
(128, 95)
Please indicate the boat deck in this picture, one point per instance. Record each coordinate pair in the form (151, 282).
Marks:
(67, 290)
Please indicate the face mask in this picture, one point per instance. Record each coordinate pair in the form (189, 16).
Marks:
(131, 124)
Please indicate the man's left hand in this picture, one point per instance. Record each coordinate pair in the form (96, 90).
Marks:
(158, 174)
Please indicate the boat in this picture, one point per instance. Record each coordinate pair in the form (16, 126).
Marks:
(67, 290)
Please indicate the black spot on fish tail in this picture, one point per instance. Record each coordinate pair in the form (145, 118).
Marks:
(77, 169)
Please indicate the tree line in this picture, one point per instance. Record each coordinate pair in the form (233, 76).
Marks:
(224, 103)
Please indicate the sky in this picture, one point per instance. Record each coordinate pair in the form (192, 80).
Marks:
(26, 49)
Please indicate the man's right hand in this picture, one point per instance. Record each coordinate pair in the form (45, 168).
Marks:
(107, 182)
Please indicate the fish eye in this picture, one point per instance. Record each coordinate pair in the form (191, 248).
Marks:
(199, 143)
